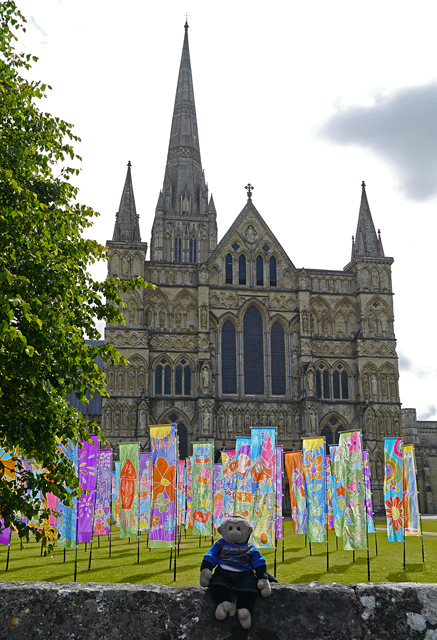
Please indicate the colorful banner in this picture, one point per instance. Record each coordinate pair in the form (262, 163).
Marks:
(181, 492)
(351, 461)
(87, 469)
(144, 495)
(102, 510)
(313, 462)
(394, 510)
(219, 502)
(129, 463)
(243, 478)
(263, 472)
(189, 515)
(278, 502)
(202, 487)
(50, 523)
(8, 474)
(328, 480)
(368, 493)
(229, 483)
(338, 491)
(296, 485)
(163, 526)
(67, 519)
(116, 495)
(412, 522)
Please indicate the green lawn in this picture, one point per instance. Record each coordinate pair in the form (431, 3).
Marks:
(298, 565)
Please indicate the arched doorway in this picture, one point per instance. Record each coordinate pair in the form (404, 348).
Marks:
(332, 426)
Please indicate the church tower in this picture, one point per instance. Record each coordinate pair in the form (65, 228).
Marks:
(185, 226)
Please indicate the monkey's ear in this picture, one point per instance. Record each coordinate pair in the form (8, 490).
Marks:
(249, 528)
(220, 530)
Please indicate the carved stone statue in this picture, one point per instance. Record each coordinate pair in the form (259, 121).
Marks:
(369, 424)
(374, 387)
(310, 382)
(131, 381)
(170, 277)
(206, 418)
(117, 422)
(281, 425)
(204, 318)
(141, 383)
(178, 319)
(325, 324)
(143, 421)
(393, 394)
(203, 275)
(305, 321)
(375, 280)
(384, 387)
(161, 318)
(313, 422)
(120, 382)
(205, 378)
(149, 317)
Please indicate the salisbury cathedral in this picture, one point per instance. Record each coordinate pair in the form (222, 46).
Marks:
(235, 335)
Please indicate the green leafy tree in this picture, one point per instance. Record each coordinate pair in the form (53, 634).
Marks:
(49, 303)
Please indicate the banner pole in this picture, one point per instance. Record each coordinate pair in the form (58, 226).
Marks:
(91, 555)
(418, 506)
(9, 548)
(110, 541)
(64, 554)
(283, 537)
(326, 510)
(404, 486)
(75, 563)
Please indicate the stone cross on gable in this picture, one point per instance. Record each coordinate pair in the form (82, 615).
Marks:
(249, 189)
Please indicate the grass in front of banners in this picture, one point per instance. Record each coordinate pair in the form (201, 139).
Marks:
(298, 566)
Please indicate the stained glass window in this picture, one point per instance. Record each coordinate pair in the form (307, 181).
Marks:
(278, 360)
(229, 359)
(253, 352)
(259, 271)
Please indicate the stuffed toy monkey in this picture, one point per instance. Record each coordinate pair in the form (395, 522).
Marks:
(240, 570)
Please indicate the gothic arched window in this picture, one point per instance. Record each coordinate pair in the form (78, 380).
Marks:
(278, 360)
(193, 250)
(242, 269)
(183, 441)
(340, 383)
(183, 379)
(177, 250)
(259, 271)
(228, 268)
(253, 352)
(273, 279)
(158, 380)
(167, 380)
(322, 382)
(327, 433)
(229, 358)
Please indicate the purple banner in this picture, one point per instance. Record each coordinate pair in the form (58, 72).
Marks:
(4, 533)
(145, 474)
(162, 528)
(278, 505)
(102, 511)
(87, 480)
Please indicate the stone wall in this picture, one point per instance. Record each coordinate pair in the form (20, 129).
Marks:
(48, 611)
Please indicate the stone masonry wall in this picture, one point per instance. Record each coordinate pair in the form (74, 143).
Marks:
(49, 611)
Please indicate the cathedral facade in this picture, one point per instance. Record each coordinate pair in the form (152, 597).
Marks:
(235, 335)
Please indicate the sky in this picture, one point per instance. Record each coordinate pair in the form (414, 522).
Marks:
(302, 100)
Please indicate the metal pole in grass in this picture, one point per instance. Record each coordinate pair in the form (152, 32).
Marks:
(64, 553)
(110, 542)
(274, 564)
(404, 487)
(309, 544)
(353, 555)
(283, 536)
(336, 542)
(418, 505)
(91, 555)
(9, 549)
(98, 542)
(75, 563)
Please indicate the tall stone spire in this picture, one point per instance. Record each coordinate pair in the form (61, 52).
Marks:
(127, 228)
(182, 213)
(366, 243)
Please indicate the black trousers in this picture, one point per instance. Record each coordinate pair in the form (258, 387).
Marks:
(242, 584)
